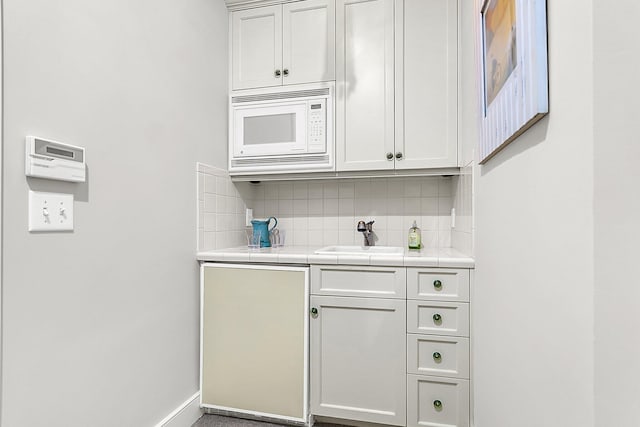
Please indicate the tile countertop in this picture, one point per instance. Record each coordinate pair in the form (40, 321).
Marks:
(443, 257)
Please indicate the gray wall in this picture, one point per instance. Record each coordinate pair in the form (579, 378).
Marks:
(533, 296)
(101, 325)
(617, 213)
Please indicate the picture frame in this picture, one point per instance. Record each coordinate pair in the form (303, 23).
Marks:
(512, 70)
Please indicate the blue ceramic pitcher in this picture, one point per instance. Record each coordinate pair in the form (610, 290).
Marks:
(261, 226)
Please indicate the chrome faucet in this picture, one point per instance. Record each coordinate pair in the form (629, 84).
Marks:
(367, 232)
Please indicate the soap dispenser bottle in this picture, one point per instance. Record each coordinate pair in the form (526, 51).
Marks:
(414, 237)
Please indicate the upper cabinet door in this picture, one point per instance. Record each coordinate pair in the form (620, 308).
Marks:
(308, 41)
(365, 84)
(256, 47)
(426, 83)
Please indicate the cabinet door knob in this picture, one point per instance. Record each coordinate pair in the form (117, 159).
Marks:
(437, 356)
(389, 156)
(437, 284)
(277, 73)
(314, 312)
(285, 72)
(399, 155)
(437, 404)
(437, 318)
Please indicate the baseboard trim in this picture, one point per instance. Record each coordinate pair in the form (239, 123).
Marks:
(184, 415)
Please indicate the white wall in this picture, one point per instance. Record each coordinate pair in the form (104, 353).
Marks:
(533, 296)
(100, 326)
(617, 213)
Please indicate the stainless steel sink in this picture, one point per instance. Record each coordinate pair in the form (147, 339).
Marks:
(361, 250)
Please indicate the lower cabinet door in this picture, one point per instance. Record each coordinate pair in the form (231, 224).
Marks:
(437, 402)
(358, 359)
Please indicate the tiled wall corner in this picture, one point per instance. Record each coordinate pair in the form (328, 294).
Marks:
(221, 210)
(462, 233)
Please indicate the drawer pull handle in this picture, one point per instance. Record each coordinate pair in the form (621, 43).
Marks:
(314, 312)
(437, 318)
(437, 284)
(437, 356)
(437, 404)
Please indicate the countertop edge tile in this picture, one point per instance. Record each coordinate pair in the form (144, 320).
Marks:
(415, 261)
(429, 258)
(354, 259)
(293, 258)
(323, 259)
(391, 261)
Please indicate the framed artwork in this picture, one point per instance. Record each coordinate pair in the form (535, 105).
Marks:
(512, 70)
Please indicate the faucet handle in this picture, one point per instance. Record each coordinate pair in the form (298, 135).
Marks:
(361, 226)
(370, 223)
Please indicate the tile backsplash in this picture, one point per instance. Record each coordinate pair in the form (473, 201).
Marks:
(326, 212)
(220, 210)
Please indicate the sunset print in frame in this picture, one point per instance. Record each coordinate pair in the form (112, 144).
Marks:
(512, 38)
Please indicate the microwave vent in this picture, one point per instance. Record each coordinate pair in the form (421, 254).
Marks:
(274, 161)
(280, 95)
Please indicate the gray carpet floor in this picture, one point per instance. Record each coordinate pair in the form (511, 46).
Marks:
(210, 420)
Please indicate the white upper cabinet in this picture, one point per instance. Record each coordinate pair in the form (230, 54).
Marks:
(308, 41)
(256, 52)
(283, 44)
(426, 83)
(364, 84)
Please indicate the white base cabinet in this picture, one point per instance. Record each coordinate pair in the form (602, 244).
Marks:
(358, 348)
(400, 359)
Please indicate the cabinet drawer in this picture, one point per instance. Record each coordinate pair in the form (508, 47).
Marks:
(437, 402)
(379, 282)
(438, 355)
(438, 284)
(438, 318)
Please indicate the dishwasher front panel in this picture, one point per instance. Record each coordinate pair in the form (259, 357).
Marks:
(254, 329)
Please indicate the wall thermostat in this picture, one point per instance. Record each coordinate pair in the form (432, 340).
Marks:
(54, 160)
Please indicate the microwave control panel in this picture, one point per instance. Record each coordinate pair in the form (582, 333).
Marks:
(317, 116)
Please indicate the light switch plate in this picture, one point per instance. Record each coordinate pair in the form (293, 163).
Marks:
(50, 211)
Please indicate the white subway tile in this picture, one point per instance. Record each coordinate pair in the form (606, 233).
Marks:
(444, 205)
(209, 184)
(285, 191)
(315, 237)
(285, 207)
(315, 190)
(316, 206)
(395, 188)
(209, 241)
(330, 237)
(346, 190)
(412, 206)
(330, 190)
(429, 187)
(331, 207)
(429, 206)
(300, 190)
(221, 186)
(412, 188)
(209, 222)
(210, 203)
(363, 189)
(346, 237)
(346, 207)
(444, 187)
(271, 191)
(300, 207)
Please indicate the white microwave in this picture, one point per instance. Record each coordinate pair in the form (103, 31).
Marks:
(286, 129)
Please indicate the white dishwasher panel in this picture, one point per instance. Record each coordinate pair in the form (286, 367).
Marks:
(254, 327)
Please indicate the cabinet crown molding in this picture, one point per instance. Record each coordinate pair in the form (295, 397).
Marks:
(248, 4)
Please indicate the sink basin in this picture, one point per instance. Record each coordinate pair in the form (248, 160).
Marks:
(361, 250)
